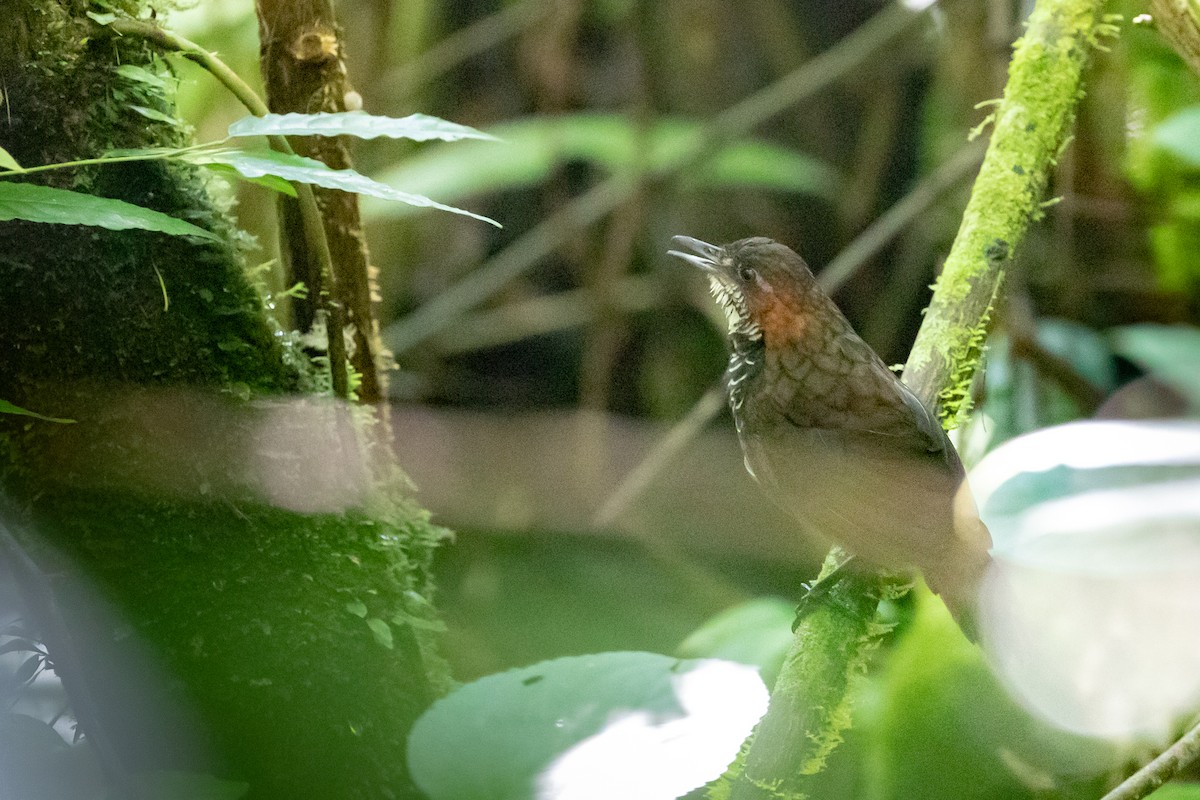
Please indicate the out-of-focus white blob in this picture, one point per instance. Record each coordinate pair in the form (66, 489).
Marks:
(1089, 610)
(639, 756)
(305, 455)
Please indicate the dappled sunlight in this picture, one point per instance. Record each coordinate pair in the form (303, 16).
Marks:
(299, 453)
(640, 755)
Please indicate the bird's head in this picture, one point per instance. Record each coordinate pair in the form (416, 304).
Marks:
(763, 287)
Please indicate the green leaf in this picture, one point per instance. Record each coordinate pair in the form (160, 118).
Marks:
(8, 408)
(141, 75)
(402, 618)
(357, 608)
(757, 632)
(102, 19)
(272, 182)
(8, 162)
(535, 147)
(63, 207)
(418, 127)
(1180, 134)
(256, 163)
(1169, 352)
(154, 114)
(604, 725)
(1176, 791)
(381, 631)
(938, 719)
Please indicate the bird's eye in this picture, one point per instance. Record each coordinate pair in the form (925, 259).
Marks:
(747, 274)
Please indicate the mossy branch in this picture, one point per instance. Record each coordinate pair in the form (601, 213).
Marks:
(811, 700)
(810, 703)
(314, 229)
(1032, 121)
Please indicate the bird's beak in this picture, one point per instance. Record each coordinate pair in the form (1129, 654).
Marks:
(718, 266)
(704, 255)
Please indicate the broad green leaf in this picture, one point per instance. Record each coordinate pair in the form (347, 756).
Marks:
(418, 127)
(606, 725)
(381, 631)
(1180, 134)
(757, 632)
(534, 148)
(8, 162)
(102, 19)
(938, 720)
(256, 163)
(63, 207)
(1169, 352)
(8, 408)
(357, 608)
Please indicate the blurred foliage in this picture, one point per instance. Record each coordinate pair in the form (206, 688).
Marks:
(530, 151)
(556, 728)
(1105, 298)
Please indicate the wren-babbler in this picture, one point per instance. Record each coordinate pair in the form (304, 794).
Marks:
(830, 432)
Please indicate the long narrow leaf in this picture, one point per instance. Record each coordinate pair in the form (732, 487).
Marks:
(272, 182)
(254, 164)
(63, 207)
(9, 408)
(418, 127)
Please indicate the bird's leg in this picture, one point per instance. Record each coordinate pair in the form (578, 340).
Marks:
(817, 591)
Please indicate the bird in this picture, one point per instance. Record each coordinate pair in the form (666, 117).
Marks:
(830, 432)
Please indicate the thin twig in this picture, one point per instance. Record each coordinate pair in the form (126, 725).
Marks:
(447, 308)
(462, 45)
(1141, 783)
(1022, 334)
(547, 314)
(832, 65)
(314, 229)
(661, 455)
(889, 225)
(543, 314)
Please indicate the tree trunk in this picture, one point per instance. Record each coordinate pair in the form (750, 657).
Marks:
(241, 584)
(305, 72)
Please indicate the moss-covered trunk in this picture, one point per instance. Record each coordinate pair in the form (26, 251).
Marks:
(201, 520)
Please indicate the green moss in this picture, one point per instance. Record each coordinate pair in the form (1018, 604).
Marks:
(241, 605)
(811, 701)
(1032, 125)
(277, 663)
